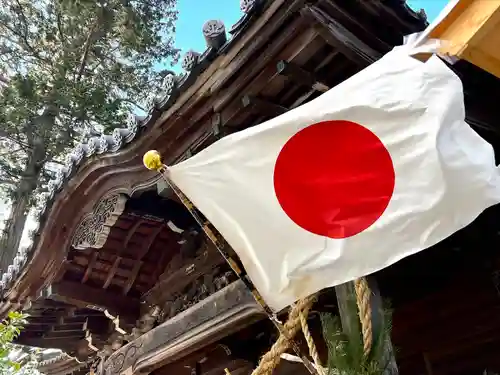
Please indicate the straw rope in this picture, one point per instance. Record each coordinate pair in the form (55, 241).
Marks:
(313, 351)
(292, 326)
(297, 319)
(363, 293)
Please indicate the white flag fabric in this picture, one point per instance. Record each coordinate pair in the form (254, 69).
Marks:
(378, 168)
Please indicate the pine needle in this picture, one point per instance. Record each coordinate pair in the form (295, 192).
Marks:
(345, 352)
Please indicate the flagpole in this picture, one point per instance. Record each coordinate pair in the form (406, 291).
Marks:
(152, 160)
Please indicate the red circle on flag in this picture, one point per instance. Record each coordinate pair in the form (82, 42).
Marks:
(334, 178)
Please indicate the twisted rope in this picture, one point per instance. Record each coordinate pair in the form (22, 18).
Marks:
(297, 319)
(313, 350)
(273, 357)
(363, 293)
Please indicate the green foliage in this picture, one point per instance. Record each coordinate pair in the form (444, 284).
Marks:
(10, 328)
(345, 350)
(69, 67)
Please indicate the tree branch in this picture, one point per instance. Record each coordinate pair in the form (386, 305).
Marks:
(60, 27)
(130, 101)
(24, 36)
(26, 44)
(14, 139)
(88, 43)
(7, 182)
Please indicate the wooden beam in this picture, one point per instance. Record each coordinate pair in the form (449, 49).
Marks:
(247, 76)
(217, 316)
(49, 343)
(89, 297)
(91, 264)
(131, 232)
(112, 272)
(339, 37)
(346, 297)
(370, 31)
(149, 243)
(146, 246)
(132, 277)
(63, 334)
(300, 76)
(262, 106)
(471, 30)
(179, 277)
(305, 44)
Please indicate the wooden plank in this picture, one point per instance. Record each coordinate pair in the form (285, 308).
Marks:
(300, 76)
(463, 25)
(275, 46)
(83, 295)
(470, 30)
(299, 51)
(356, 25)
(339, 37)
(63, 334)
(263, 106)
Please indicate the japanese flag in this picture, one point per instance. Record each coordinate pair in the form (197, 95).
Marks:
(376, 169)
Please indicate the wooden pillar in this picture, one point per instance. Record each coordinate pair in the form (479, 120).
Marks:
(347, 310)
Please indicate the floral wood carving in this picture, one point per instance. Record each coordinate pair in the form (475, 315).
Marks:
(94, 228)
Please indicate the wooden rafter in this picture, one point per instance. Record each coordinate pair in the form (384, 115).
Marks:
(133, 275)
(92, 262)
(339, 37)
(145, 248)
(131, 233)
(112, 272)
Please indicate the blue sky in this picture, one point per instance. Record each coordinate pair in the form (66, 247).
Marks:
(194, 13)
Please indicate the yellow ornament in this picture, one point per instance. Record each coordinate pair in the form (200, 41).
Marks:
(152, 160)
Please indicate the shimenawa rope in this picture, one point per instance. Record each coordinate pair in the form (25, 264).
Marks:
(297, 319)
(273, 357)
(363, 293)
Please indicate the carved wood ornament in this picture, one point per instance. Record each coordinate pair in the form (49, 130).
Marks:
(94, 228)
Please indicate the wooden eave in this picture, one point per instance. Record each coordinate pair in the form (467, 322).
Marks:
(63, 364)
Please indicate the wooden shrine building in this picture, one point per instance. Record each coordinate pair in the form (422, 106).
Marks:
(117, 273)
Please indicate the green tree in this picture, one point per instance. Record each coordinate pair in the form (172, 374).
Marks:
(10, 328)
(69, 68)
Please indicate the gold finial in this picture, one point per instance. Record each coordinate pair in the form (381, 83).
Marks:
(152, 160)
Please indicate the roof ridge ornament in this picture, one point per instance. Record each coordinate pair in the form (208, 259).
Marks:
(190, 60)
(248, 6)
(214, 32)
